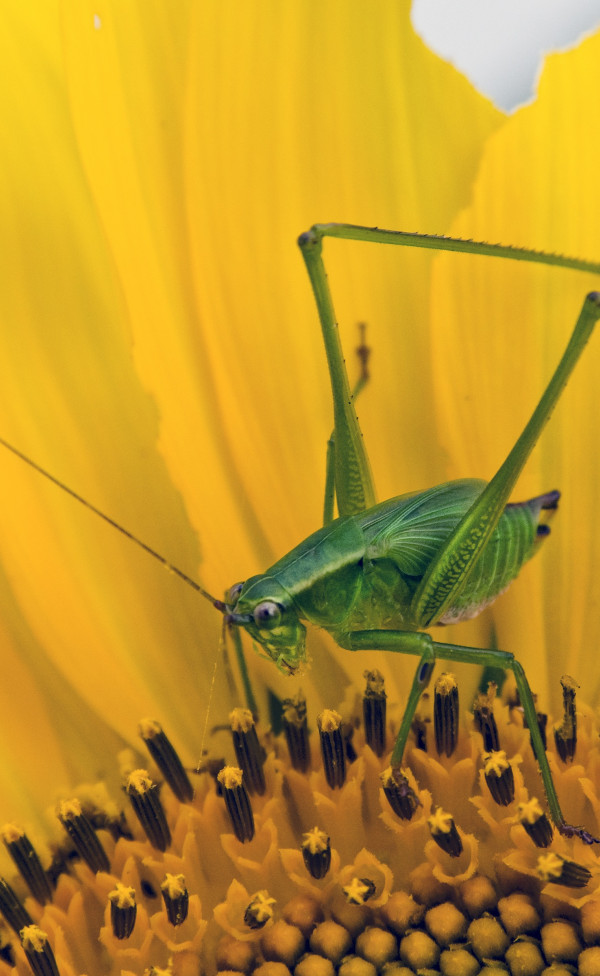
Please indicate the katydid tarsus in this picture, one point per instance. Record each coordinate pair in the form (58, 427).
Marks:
(378, 575)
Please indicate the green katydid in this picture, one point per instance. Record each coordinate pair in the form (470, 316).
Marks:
(379, 574)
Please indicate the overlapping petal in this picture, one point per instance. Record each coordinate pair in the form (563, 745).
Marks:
(160, 351)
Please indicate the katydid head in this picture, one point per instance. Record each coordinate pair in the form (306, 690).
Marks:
(265, 610)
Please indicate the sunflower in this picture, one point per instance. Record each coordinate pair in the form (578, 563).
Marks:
(161, 354)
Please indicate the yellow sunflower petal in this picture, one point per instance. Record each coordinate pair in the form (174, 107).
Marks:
(66, 357)
(159, 339)
(499, 330)
(278, 128)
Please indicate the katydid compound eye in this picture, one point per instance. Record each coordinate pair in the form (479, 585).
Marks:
(267, 614)
(234, 592)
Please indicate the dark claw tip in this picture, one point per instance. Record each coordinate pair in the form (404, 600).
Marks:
(568, 830)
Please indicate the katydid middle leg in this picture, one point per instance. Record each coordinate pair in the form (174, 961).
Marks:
(428, 650)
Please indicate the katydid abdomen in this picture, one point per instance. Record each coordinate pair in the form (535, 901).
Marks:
(361, 572)
(406, 533)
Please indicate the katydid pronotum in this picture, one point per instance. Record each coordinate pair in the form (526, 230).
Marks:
(378, 575)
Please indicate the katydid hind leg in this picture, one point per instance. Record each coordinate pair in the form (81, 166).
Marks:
(348, 462)
(363, 353)
(429, 651)
(329, 499)
(449, 571)
(354, 487)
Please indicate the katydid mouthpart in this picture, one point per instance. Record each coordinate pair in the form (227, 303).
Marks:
(378, 575)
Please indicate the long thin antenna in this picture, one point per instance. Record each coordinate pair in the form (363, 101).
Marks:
(129, 535)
